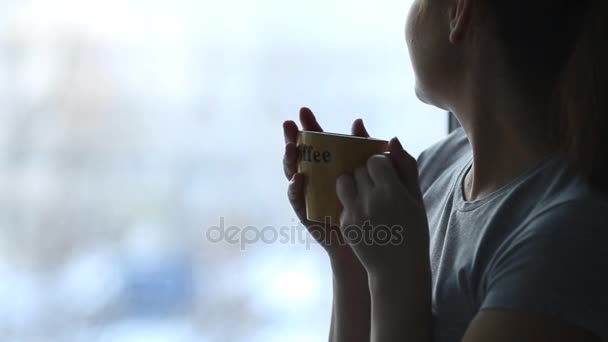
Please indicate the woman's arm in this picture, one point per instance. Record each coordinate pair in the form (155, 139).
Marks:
(383, 198)
(508, 325)
(549, 283)
(350, 321)
(401, 306)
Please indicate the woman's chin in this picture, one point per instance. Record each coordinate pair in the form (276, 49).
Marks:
(419, 95)
(426, 98)
(422, 95)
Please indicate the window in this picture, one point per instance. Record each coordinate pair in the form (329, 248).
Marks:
(453, 122)
(131, 128)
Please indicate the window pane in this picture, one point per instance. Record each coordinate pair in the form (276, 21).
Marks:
(130, 129)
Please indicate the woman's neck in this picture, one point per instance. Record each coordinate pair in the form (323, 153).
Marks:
(497, 162)
(507, 137)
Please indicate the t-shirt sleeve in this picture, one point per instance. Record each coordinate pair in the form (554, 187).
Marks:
(557, 266)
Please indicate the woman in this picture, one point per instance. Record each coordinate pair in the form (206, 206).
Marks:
(506, 219)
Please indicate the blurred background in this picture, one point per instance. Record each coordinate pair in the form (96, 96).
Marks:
(130, 128)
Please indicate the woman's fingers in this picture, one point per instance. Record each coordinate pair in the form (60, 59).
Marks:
(359, 129)
(406, 166)
(295, 193)
(290, 131)
(290, 162)
(325, 235)
(363, 181)
(308, 121)
(382, 172)
(346, 189)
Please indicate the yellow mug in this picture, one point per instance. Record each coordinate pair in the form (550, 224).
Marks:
(322, 158)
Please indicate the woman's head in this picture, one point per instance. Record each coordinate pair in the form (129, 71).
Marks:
(433, 57)
(552, 51)
(533, 39)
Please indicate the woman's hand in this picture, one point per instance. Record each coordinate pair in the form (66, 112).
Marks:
(384, 218)
(339, 251)
(350, 320)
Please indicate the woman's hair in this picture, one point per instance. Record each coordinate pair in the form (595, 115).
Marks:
(558, 49)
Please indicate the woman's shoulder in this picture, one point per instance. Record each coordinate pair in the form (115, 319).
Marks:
(573, 216)
(564, 210)
(555, 265)
(563, 192)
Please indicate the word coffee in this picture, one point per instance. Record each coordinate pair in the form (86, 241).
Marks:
(308, 153)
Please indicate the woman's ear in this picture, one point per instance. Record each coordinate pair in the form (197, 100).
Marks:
(461, 14)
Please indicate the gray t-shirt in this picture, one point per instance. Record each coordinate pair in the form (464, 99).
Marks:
(538, 244)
